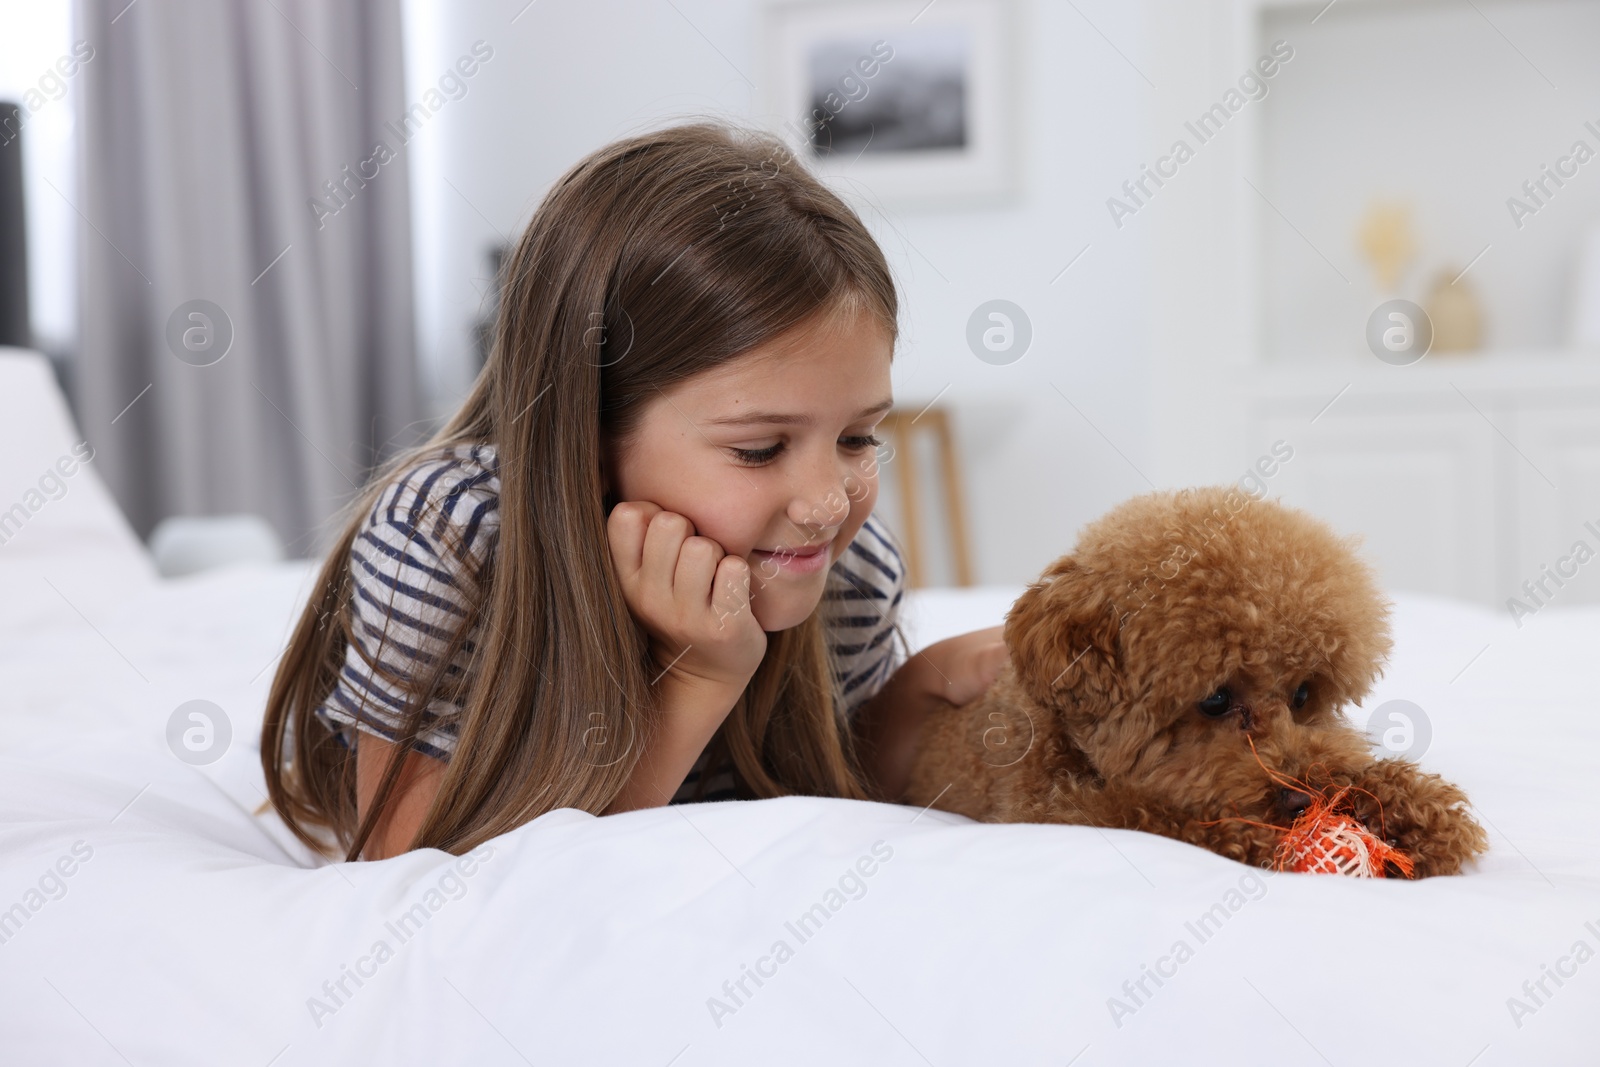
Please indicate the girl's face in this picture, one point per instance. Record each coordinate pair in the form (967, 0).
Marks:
(770, 455)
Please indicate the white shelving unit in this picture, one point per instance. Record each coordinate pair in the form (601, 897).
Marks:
(1466, 474)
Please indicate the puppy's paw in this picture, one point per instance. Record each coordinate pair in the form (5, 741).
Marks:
(1421, 814)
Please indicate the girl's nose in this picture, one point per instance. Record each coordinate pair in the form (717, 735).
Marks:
(822, 501)
(820, 511)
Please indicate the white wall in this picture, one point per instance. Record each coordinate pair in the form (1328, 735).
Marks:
(568, 77)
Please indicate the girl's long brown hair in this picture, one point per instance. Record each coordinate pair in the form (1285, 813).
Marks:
(655, 258)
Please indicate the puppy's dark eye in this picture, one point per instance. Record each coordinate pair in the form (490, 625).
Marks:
(1218, 703)
(1302, 695)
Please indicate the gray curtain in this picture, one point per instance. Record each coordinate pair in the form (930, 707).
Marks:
(240, 174)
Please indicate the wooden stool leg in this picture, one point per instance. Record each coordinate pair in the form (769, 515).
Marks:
(955, 506)
(910, 503)
(903, 432)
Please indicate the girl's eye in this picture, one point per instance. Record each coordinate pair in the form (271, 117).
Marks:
(755, 457)
(1302, 695)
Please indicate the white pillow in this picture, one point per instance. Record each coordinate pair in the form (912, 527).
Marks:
(59, 525)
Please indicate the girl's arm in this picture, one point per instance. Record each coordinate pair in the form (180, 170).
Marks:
(694, 602)
(690, 715)
(707, 646)
(408, 799)
(948, 673)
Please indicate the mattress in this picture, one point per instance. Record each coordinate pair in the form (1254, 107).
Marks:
(148, 916)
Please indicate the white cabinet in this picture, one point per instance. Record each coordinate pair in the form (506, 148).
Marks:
(1411, 482)
(1465, 479)
(1556, 502)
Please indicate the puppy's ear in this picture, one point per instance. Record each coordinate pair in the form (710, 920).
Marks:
(1063, 636)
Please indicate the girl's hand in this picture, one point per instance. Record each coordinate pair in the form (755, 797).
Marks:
(956, 670)
(692, 598)
(966, 665)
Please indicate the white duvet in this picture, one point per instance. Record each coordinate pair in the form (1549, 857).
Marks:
(147, 917)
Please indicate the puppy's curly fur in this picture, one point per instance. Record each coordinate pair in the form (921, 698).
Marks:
(1186, 626)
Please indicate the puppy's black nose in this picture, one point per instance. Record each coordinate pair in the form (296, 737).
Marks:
(1293, 802)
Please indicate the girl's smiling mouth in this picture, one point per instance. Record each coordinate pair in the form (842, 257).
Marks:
(793, 560)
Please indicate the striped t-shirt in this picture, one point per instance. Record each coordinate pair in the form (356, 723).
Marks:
(406, 604)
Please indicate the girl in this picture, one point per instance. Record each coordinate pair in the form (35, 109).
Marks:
(638, 566)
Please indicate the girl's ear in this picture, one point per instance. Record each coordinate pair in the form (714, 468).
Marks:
(1063, 636)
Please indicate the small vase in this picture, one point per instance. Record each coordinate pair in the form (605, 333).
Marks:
(1453, 308)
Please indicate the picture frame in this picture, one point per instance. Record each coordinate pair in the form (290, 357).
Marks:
(909, 103)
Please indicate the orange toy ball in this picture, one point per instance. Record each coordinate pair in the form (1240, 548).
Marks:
(1325, 841)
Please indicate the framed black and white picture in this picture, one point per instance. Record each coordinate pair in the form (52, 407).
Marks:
(909, 100)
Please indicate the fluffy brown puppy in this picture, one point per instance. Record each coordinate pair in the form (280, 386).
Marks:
(1190, 658)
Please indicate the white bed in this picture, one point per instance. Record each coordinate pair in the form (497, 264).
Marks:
(191, 931)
